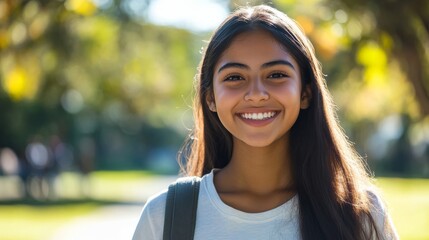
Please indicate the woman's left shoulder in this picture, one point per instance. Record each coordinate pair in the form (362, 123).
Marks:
(378, 207)
(380, 215)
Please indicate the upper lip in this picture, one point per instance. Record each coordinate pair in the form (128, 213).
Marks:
(257, 110)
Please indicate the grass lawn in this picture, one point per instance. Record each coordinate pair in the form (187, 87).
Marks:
(407, 200)
(408, 203)
(25, 222)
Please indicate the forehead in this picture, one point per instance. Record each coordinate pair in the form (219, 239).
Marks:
(253, 48)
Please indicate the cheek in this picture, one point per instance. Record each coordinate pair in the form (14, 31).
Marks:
(226, 96)
(288, 92)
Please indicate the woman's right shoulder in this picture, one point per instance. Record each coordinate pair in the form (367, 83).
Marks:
(156, 203)
(151, 222)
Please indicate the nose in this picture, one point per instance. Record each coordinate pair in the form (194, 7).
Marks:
(256, 91)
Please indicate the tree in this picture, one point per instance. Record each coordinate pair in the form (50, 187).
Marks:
(406, 25)
(77, 70)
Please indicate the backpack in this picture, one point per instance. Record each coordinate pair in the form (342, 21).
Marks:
(181, 209)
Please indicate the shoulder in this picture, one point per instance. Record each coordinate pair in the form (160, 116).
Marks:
(155, 205)
(151, 222)
(377, 206)
(379, 214)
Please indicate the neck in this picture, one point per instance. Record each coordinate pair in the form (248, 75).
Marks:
(258, 170)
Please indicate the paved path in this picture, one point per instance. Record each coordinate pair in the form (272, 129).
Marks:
(114, 222)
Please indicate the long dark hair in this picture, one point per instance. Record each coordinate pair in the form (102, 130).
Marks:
(329, 176)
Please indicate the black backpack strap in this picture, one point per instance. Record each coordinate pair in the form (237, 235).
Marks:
(181, 209)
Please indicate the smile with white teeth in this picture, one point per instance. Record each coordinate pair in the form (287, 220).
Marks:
(258, 116)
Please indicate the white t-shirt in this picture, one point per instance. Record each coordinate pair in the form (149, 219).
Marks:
(216, 220)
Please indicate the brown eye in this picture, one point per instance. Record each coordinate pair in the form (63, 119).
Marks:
(278, 75)
(233, 78)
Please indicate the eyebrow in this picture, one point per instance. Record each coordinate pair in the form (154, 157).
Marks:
(278, 62)
(265, 65)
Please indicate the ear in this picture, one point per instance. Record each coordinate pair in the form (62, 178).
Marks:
(306, 97)
(210, 102)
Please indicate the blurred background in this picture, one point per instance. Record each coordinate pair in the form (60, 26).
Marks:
(96, 95)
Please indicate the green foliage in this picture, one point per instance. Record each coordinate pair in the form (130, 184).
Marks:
(75, 71)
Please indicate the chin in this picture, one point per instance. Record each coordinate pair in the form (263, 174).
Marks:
(258, 144)
(263, 141)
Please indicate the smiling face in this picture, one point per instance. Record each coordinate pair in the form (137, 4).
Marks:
(257, 90)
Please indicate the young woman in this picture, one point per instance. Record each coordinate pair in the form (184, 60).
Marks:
(273, 160)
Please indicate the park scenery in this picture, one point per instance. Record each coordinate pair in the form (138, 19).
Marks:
(96, 98)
